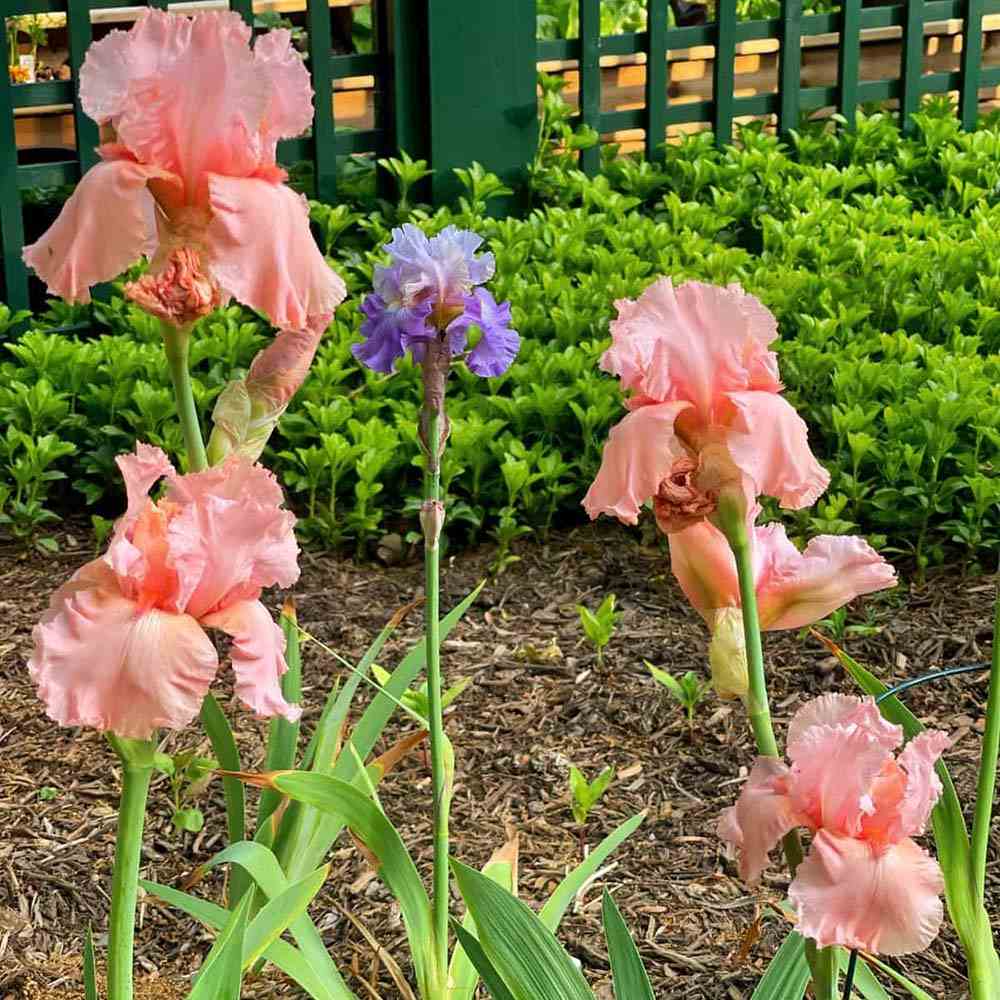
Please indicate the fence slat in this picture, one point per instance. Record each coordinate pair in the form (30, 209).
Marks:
(972, 59)
(15, 275)
(244, 8)
(656, 78)
(324, 130)
(87, 132)
(590, 78)
(912, 66)
(790, 66)
(723, 77)
(849, 60)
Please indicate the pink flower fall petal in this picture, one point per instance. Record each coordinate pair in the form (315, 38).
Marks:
(796, 588)
(81, 248)
(101, 661)
(258, 656)
(763, 814)
(283, 276)
(704, 566)
(884, 902)
(768, 440)
(639, 454)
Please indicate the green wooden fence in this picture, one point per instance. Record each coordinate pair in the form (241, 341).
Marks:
(456, 83)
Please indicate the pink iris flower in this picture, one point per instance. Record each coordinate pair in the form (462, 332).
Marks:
(864, 883)
(192, 181)
(123, 646)
(794, 588)
(706, 412)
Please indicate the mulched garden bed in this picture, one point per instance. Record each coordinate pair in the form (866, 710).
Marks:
(539, 702)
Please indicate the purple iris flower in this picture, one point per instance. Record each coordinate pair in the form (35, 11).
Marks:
(445, 266)
(429, 291)
(390, 323)
(498, 345)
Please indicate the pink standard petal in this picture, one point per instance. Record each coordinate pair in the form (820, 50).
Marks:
(258, 656)
(639, 454)
(768, 440)
(887, 902)
(104, 227)
(923, 786)
(799, 588)
(826, 710)
(264, 255)
(703, 563)
(696, 342)
(199, 105)
(290, 101)
(141, 472)
(763, 814)
(100, 660)
(833, 770)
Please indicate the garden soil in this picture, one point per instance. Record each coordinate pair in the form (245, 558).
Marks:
(539, 702)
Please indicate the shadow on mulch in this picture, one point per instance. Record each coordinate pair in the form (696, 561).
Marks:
(539, 702)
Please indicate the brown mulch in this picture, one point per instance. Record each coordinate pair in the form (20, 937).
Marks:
(539, 702)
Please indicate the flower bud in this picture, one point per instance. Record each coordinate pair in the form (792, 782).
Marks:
(727, 655)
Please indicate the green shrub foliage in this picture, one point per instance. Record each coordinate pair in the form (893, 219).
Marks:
(879, 254)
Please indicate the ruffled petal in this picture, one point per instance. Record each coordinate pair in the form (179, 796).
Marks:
(768, 440)
(705, 567)
(289, 108)
(231, 538)
(102, 661)
(799, 588)
(834, 768)
(640, 453)
(498, 345)
(696, 342)
(848, 894)
(444, 267)
(142, 470)
(826, 710)
(258, 655)
(106, 226)
(184, 93)
(263, 253)
(923, 786)
(763, 814)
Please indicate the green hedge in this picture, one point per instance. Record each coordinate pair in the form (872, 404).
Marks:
(880, 256)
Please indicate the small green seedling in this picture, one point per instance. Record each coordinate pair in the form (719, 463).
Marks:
(586, 794)
(688, 691)
(415, 699)
(599, 626)
(47, 793)
(837, 627)
(189, 776)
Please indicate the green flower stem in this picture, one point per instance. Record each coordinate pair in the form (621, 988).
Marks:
(987, 769)
(823, 963)
(176, 341)
(124, 885)
(432, 553)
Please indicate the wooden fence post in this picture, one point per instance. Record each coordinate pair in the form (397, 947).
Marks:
(483, 104)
